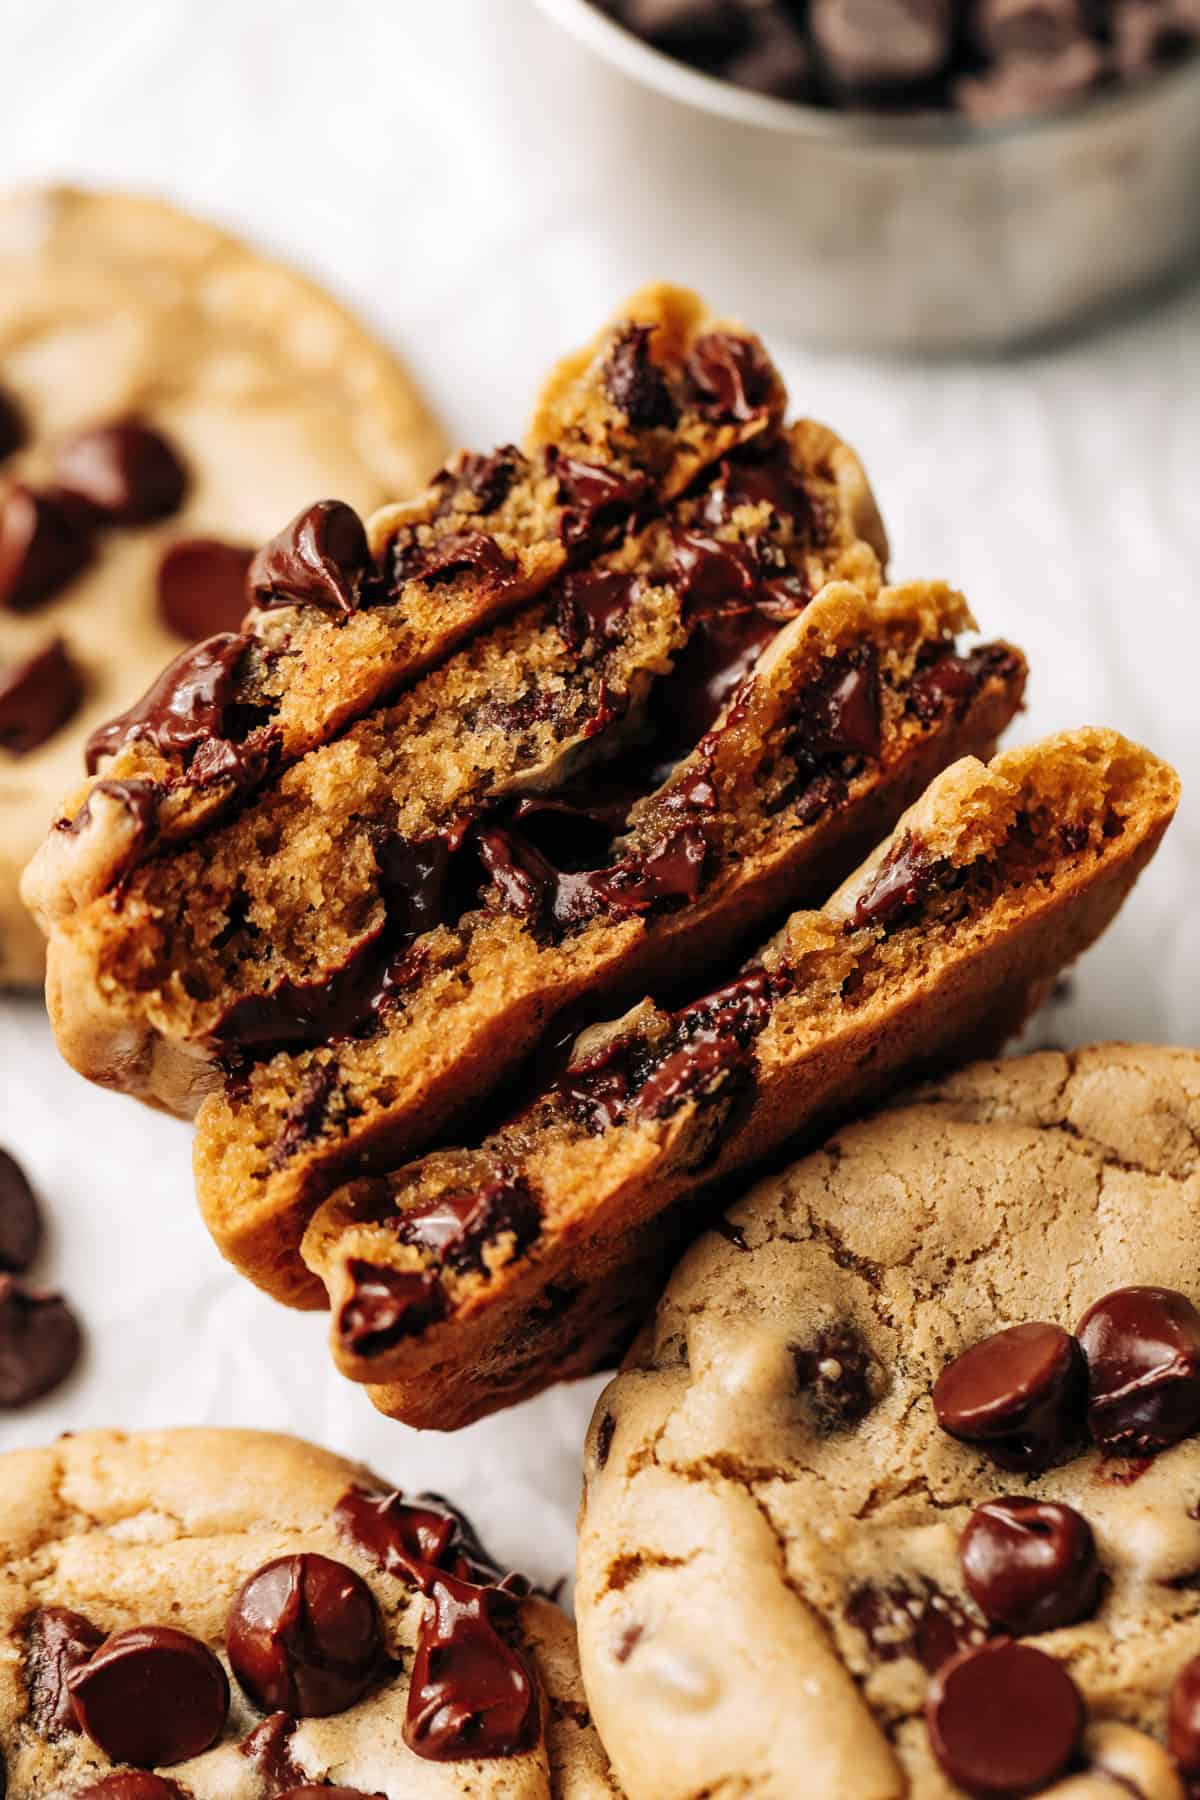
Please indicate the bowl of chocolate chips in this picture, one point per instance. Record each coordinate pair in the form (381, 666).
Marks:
(925, 175)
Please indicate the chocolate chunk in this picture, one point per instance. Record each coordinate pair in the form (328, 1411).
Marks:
(39, 1342)
(459, 1228)
(872, 45)
(1142, 1346)
(719, 656)
(38, 697)
(13, 428)
(471, 1695)
(20, 1217)
(1027, 27)
(715, 1036)
(1018, 1395)
(136, 1784)
(900, 1619)
(635, 384)
(151, 1695)
(592, 603)
(712, 573)
(698, 31)
(269, 1749)
(598, 504)
(839, 714)
(1030, 1565)
(757, 480)
(305, 1636)
(184, 709)
(59, 1642)
(1003, 1718)
(320, 559)
(1183, 1719)
(595, 1092)
(43, 545)
(455, 554)
(900, 884)
(387, 1305)
(953, 681)
(126, 473)
(731, 378)
(202, 587)
(838, 1375)
(490, 478)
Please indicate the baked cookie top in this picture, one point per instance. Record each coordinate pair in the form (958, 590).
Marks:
(816, 1536)
(263, 391)
(232, 1615)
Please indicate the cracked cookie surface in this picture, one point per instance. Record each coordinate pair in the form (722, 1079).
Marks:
(771, 1569)
(106, 1534)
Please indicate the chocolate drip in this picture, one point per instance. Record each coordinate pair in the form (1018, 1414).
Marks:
(189, 709)
(407, 1537)
(593, 603)
(902, 882)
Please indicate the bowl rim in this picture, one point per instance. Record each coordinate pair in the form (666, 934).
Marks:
(709, 93)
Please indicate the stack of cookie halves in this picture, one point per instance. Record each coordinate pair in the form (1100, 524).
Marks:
(542, 858)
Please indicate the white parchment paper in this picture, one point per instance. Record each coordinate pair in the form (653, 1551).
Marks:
(435, 164)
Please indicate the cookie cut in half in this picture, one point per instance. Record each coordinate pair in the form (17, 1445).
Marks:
(226, 1615)
(344, 614)
(474, 1277)
(898, 1486)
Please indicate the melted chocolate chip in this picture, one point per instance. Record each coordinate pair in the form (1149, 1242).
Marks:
(899, 1619)
(43, 545)
(471, 1694)
(593, 603)
(1030, 1565)
(715, 1036)
(1018, 1395)
(202, 587)
(39, 1342)
(458, 553)
(597, 503)
(126, 473)
(304, 1636)
(407, 1538)
(490, 478)
(13, 428)
(20, 1217)
(459, 1228)
(1142, 1346)
(750, 480)
(38, 697)
(635, 385)
(730, 377)
(1183, 1719)
(839, 714)
(59, 1642)
(269, 1749)
(151, 1695)
(387, 1305)
(902, 882)
(1004, 1718)
(320, 559)
(185, 708)
(838, 1375)
(952, 681)
(134, 1784)
(307, 1114)
(529, 885)
(140, 800)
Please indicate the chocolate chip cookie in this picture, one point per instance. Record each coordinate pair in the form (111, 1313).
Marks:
(898, 1487)
(476, 1276)
(166, 397)
(229, 1615)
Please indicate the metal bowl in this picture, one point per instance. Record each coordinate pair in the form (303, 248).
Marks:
(925, 233)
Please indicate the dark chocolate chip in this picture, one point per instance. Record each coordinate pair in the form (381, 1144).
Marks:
(59, 1641)
(1004, 1718)
(20, 1217)
(1030, 1565)
(13, 427)
(1142, 1346)
(1183, 1719)
(320, 559)
(839, 714)
(387, 1305)
(202, 587)
(136, 1784)
(185, 708)
(902, 1619)
(38, 697)
(901, 883)
(490, 478)
(39, 1342)
(307, 1113)
(43, 545)
(755, 480)
(304, 1636)
(717, 1036)
(459, 1228)
(406, 1538)
(126, 473)
(635, 384)
(598, 504)
(731, 378)
(151, 1695)
(1018, 1395)
(471, 1695)
(592, 603)
(269, 1749)
(838, 1375)
(458, 553)
(869, 45)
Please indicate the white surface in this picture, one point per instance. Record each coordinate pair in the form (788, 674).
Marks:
(437, 163)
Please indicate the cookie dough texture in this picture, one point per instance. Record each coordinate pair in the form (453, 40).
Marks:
(114, 304)
(163, 1527)
(732, 1529)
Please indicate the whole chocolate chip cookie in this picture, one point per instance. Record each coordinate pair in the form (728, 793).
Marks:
(230, 1615)
(899, 1487)
(166, 397)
